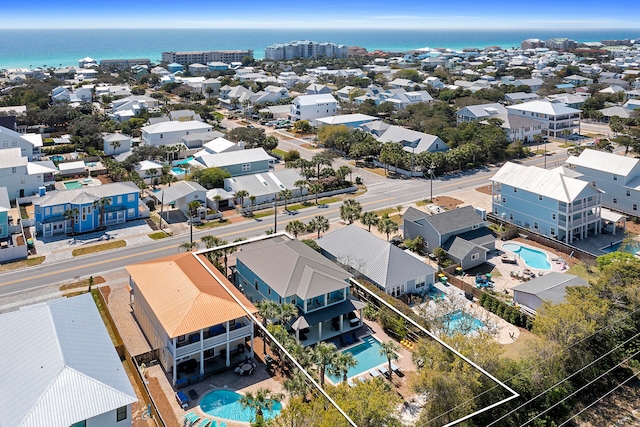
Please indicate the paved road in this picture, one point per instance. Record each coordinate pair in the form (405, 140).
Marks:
(382, 193)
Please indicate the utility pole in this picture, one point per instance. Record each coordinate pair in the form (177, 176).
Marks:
(431, 168)
(275, 214)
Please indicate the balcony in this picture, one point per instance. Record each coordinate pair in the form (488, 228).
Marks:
(241, 331)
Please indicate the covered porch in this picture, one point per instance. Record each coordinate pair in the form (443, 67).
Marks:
(612, 220)
(334, 320)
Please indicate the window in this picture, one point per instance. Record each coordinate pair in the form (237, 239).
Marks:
(504, 200)
(535, 225)
(635, 207)
(255, 283)
(615, 200)
(510, 216)
(615, 177)
(13, 170)
(475, 256)
(628, 193)
(539, 197)
(553, 216)
(269, 290)
(246, 167)
(495, 211)
(14, 143)
(5, 144)
(553, 231)
(593, 183)
(515, 190)
(131, 197)
(475, 226)
(161, 136)
(121, 413)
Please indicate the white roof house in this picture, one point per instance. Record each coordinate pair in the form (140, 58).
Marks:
(548, 183)
(544, 107)
(169, 133)
(265, 184)
(232, 158)
(413, 141)
(605, 162)
(67, 371)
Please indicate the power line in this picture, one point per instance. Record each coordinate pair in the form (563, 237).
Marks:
(564, 379)
(600, 398)
(581, 388)
(535, 365)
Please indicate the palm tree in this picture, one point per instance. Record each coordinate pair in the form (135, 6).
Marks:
(225, 253)
(193, 210)
(350, 210)
(343, 171)
(390, 350)
(262, 400)
(189, 246)
(369, 219)
(323, 158)
(252, 199)
(297, 385)
(323, 356)
(316, 188)
(286, 312)
(242, 194)
(212, 242)
(72, 214)
(100, 204)
(151, 173)
(342, 363)
(295, 227)
(301, 183)
(319, 224)
(267, 309)
(285, 195)
(387, 226)
(115, 145)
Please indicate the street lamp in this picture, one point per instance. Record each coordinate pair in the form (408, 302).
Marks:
(431, 168)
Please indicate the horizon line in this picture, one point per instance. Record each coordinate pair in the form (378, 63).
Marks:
(466, 29)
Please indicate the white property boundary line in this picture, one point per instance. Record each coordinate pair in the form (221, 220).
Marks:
(514, 394)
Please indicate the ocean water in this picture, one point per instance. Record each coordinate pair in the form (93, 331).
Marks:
(53, 48)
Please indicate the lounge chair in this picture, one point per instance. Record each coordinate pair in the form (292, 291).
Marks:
(351, 383)
(182, 399)
(362, 379)
(348, 340)
(223, 424)
(191, 418)
(204, 423)
(374, 373)
(384, 371)
(397, 370)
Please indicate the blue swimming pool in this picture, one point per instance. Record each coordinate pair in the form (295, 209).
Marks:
(460, 322)
(177, 170)
(226, 404)
(367, 353)
(72, 185)
(183, 161)
(56, 158)
(631, 247)
(532, 257)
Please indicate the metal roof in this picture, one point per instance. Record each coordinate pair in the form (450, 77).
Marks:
(605, 162)
(385, 264)
(178, 190)
(5, 205)
(544, 107)
(60, 197)
(451, 221)
(176, 126)
(550, 287)
(547, 183)
(184, 296)
(59, 365)
(11, 157)
(300, 270)
(261, 184)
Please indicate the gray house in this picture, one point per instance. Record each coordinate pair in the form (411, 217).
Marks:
(387, 266)
(241, 162)
(551, 287)
(461, 232)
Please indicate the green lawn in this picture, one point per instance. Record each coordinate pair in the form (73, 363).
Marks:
(279, 152)
(15, 265)
(99, 248)
(159, 235)
(212, 224)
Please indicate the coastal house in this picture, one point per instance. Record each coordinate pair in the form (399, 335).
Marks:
(240, 162)
(316, 286)
(181, 194)
(265, 186)
(472, 113)
(546, 201)
(191, 314)
(29, 144)
(310, 107)
(617, 176)
(22, 177)
(412, 141)
(556, 118)
(169, 133)
(349, 120)
(461, 232)
(115, 143)
(68, 374)
(387, 266)
(86, 209)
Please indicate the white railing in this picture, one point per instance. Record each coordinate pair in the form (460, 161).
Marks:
(210, 342)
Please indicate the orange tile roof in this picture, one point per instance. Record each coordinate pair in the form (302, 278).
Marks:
(184, 296)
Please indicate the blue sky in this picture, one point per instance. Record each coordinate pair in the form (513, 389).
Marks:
(409, 14)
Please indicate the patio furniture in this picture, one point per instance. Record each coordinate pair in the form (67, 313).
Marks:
(204, 423)
(192, 394)
(191, 418)
(397, 370)
(362, 379)
(384, 371)
(245, 368)
(351, 383)
(182, 382)
(216, 330)
(374, 373)
(182, 399)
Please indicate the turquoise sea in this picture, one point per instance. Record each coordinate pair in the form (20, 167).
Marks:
(36, 48)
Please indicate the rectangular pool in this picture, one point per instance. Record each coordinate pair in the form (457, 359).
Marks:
(459, 322)
(72, 185)
(631, 247)
(367, 353)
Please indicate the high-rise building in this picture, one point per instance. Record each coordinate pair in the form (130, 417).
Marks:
(305, 49)
(532, 44)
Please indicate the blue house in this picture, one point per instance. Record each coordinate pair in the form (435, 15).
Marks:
(86, 209)
(288, 271)
(174, 68)
(5, 207)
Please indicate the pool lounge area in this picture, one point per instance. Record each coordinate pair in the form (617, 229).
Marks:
(367, 353)
(533, 258)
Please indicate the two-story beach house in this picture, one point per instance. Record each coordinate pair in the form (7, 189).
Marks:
(29, 143)
(310, 107)
(68, 373)
(169, 133)
(239, 162)
(546, 202)
(462, 233)
(82, 210)
(617, 176)
(196, 319)
(288, 271)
